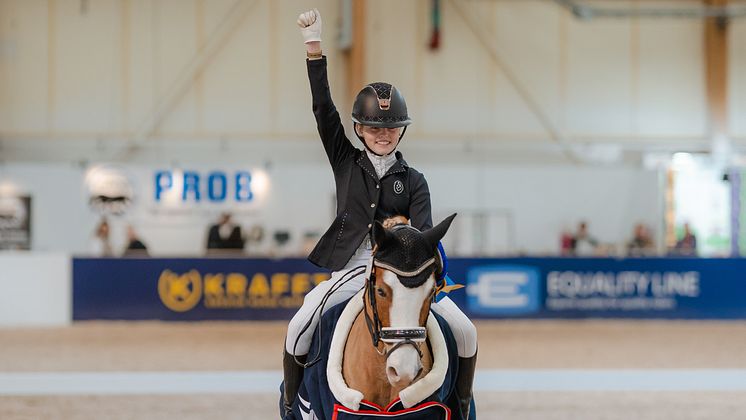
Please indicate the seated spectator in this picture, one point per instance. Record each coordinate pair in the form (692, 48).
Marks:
(225, 235)
(641, 244)
(583, 244)
(101, 244)
(687, 245)
(566, 240)
(135, 246)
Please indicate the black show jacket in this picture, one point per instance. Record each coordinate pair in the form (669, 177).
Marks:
(362, 197)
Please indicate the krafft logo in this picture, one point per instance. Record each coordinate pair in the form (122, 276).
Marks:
(503, 290)
(182, 292)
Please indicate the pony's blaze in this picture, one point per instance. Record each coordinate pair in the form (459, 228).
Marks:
(403, 365)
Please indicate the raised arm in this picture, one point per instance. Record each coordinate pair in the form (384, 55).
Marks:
(329, 124)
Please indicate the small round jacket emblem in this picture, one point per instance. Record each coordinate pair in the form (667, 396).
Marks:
(398, 187)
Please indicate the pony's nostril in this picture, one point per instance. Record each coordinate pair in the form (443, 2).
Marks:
(392, 373)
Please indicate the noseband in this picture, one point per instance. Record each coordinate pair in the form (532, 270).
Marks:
(391, 335)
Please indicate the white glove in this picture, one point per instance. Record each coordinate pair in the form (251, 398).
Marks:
(310, 25)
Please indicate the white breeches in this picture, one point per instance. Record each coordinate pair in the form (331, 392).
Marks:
(463, 329)
(314, 297)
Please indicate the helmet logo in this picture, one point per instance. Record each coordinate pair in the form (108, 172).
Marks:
(384, 104)
(398, 187)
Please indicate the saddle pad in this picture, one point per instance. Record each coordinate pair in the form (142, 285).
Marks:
(395, 411)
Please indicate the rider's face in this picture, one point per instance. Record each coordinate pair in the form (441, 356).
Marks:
(381, 141)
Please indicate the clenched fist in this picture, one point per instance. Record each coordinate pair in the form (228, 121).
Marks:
(310, 25)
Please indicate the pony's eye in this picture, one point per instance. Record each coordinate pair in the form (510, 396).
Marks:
(381, 292)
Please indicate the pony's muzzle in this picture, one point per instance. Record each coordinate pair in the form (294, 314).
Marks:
(403, 365)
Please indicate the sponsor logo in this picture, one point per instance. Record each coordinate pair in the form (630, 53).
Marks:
(503, 290)
(195, 187)
(180, 293)
(624, 290)
(183, 292)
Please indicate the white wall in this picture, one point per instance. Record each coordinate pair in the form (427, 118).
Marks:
(541, 200)
(544, 200)
(61, 219)
(37, 289)
(609, 87)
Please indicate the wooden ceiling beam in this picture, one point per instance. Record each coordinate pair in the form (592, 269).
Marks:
(356, 53)
(716, 62)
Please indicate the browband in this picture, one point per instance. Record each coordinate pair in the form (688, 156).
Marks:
(398, 272)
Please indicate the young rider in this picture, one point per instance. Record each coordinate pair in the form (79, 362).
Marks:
(372, 184)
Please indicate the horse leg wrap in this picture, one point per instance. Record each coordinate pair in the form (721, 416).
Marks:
(293, 377)
(464, 382)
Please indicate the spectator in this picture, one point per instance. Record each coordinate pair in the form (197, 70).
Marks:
(101, 244)
(687, 245)
(135, 246)
(225, 235)
(641, 243)
(583, 244)
(566, 241)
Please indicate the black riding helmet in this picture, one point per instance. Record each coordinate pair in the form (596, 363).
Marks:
(380, 104)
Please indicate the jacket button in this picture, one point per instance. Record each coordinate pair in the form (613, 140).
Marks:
(378, 186)
(369, 225)
(372, 204)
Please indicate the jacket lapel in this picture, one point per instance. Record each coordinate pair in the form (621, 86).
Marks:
(399, 166)
(364, 163)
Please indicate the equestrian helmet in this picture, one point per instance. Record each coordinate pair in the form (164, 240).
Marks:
(380, 104)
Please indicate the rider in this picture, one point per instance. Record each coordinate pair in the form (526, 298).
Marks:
(372, 184)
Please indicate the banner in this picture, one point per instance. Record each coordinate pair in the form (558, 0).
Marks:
(191, 289)
(15, 222)
(263, 289)
(602, 287)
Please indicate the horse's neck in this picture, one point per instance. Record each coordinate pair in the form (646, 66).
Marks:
(365, 370)
(362, 367)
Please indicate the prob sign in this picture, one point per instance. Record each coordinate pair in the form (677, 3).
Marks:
(213, 186)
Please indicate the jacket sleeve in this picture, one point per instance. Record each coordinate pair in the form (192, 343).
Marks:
(420, 212)
(331, 131)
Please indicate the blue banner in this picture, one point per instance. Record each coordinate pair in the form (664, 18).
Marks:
(263, 289)
(602, 287)
(191, 289)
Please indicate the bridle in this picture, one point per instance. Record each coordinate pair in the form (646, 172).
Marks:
(414, 336)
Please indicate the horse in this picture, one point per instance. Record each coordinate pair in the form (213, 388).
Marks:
(394, 347)
(388, 355)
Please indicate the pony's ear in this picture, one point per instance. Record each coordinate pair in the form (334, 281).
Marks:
(434, 235)
(379, 233)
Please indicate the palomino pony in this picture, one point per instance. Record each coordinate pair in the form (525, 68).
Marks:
(383, 353)
(393, 348)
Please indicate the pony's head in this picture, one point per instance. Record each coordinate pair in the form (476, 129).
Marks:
(399, 292)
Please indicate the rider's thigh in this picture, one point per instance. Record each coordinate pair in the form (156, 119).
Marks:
(463, 329)
(339, 287)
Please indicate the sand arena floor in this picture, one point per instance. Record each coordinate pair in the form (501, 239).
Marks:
(524, 346)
